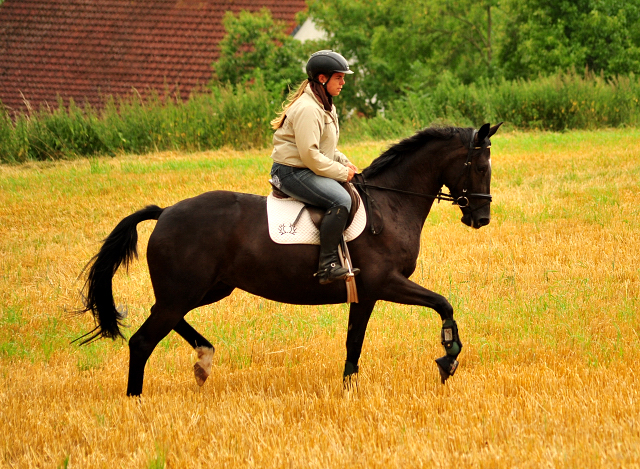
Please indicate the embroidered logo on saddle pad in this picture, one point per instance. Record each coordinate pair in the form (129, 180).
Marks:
(290, 224)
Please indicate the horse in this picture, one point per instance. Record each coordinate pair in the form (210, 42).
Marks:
(202, 248)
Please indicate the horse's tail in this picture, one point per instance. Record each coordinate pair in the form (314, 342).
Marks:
(120, 247)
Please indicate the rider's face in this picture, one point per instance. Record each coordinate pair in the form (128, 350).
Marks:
(335, 84)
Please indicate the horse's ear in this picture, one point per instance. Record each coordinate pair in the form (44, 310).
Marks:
(494, 129)
(482, 134)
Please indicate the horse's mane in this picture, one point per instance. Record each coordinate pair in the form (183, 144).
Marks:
(412, 144)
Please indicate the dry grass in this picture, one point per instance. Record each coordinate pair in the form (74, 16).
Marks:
(546, 299)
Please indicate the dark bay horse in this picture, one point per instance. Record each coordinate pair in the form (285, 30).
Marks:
(204, 247)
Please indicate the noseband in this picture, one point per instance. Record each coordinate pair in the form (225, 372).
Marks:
(461, 201)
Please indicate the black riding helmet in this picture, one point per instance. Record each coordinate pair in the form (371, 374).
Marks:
(326, 62)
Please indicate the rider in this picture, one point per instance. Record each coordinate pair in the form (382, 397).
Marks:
(306, 164)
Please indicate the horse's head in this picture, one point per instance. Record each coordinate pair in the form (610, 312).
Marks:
(469, 178)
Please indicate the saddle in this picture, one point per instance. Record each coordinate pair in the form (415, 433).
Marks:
(317, 213)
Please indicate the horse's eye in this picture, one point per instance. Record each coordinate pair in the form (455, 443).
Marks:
(483, 169)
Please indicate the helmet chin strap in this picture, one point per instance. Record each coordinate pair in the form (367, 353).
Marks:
(324, 84)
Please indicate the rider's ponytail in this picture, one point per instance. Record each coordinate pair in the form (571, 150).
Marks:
(279, 120)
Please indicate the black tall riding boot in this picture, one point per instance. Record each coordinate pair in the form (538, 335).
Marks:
(331, 229)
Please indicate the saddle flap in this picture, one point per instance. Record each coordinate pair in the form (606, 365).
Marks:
(290, 222)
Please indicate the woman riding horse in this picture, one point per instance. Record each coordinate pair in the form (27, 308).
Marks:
(306, 163)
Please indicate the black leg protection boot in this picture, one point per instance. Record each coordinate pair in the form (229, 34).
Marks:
(329, 267)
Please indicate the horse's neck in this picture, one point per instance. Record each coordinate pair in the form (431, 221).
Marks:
(417, 175)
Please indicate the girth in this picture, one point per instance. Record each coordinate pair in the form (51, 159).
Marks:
(317, 213)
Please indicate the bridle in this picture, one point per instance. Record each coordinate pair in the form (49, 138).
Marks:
(461, 201)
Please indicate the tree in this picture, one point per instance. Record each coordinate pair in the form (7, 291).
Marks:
(399, 45)
(545, 36)
(469, 37)
(395, 47)
(255, 46)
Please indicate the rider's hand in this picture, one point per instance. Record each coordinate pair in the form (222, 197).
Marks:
(352, 172)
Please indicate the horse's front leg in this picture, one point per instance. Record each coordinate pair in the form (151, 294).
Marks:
(401, 290)
(359, 314)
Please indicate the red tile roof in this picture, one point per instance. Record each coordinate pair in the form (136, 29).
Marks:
(83, 49)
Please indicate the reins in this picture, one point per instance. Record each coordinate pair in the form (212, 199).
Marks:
(439, 196)
(461, 201)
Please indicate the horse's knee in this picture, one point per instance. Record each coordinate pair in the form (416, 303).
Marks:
(444, 308)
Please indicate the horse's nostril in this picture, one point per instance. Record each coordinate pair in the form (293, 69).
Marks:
(484, 221)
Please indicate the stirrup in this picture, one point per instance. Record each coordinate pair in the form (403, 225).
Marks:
(331, 273)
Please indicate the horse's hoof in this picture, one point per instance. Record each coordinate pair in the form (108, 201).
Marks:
(202, 368)
(200, 373)
(350, 383)
(447, 366)
(444, 376)
(350, 376)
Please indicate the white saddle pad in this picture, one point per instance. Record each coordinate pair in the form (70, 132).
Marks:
(282, 214)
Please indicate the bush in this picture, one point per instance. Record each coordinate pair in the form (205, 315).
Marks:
(227, 115)
(238, 116)
(559, 102)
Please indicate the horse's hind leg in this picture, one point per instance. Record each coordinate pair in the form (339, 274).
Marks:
(161, 321)
(202, 368)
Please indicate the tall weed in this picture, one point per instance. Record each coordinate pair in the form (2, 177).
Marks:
(563, 101)
(225, 116)
(238, 116)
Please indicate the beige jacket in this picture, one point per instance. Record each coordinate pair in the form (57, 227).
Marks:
(308, 139)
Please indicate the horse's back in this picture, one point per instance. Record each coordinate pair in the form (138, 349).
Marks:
(216, 203)
(217, 211)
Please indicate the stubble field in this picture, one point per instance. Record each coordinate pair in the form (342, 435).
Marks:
(546, 298)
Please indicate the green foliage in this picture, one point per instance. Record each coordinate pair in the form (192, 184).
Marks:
(226, 115)
(67, 458)
(238, 116)
(558, 102)
(396, 46)
(416, 62)
(257, 47)
(50, 134)
(568, 101)
(544, 37)
(159, 459)
(8, 136)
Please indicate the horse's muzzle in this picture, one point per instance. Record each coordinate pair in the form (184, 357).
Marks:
(483, 221)
(476, 222)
